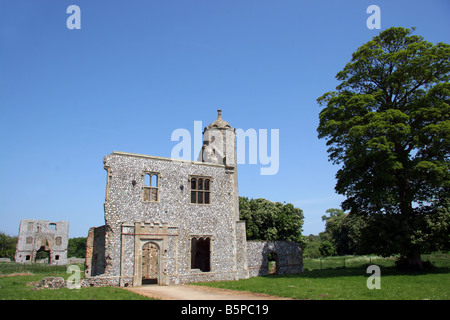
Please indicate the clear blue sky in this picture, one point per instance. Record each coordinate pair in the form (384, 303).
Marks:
(139, 69)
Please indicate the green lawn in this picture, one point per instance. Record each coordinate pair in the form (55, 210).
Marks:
(15, 279)
(322, 279)
(349, 283)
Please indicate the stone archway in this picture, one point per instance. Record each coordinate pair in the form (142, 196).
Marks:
(273, 265)
(43, 253)
(150, 263)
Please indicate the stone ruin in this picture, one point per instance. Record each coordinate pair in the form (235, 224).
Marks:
(170, 221)
(42, 236)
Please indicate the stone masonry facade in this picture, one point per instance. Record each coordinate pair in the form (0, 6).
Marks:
(36, 236)
(170, 221)
(287, 257)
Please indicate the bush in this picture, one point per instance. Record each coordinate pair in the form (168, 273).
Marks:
(326, 248)
(7, 246)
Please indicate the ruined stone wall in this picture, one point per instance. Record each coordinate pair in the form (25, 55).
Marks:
(95, 252)
(289, 256)
(52, 237)
(127, 215)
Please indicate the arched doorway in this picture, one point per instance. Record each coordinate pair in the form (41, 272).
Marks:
(272, 263)
(150, 263)
(42, 255)
(44, 252)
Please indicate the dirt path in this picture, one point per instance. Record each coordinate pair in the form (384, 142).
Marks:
(191, 292)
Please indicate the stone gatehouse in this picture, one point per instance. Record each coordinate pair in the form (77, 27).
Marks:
(170, 221)
(44, 236)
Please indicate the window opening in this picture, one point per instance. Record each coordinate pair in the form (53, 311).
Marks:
(200, 254)
(200, 190)
(154, 181)
(151, 187)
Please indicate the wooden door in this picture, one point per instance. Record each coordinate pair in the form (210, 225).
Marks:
(149, 263)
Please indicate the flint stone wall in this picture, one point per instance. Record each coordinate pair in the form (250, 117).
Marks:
(171, 222)
(36, 235)
(289, 257)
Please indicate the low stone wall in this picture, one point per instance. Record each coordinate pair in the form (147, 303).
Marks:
(74, 260)
(59, 282)
(49, 283)
(288, 257)
(206, 277)
(102, 281)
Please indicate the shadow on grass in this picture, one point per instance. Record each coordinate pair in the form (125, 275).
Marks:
(358, 271)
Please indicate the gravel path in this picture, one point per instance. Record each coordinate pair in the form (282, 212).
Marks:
(191, 292)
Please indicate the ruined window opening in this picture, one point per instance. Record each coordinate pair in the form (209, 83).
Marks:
(27, 257)
(52, 226)
(58, 241)
(56, 257)
(30, 226)
(201, 254)
(200, 190)
(151, 187)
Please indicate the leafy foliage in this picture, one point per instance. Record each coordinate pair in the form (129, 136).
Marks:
(77, 248)
(388, 126)
(327, 248)
(311, 249)
(7, 246)
(342, 231)
(266, 220)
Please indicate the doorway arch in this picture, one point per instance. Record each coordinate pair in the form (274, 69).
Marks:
(43, 254)
(150, 263)
(272, 263)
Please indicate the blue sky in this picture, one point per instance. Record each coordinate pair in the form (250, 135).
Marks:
(139, 69)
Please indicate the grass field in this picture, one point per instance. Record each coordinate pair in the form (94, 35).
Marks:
(323, 279)
(437, 259)
(336, 282)
(15, 279)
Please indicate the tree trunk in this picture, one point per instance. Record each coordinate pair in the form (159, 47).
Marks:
(414, 260)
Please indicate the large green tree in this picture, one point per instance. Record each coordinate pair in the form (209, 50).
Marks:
(387, 125)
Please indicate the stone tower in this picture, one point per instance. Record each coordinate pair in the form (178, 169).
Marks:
(219, 147)
(219, 143)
